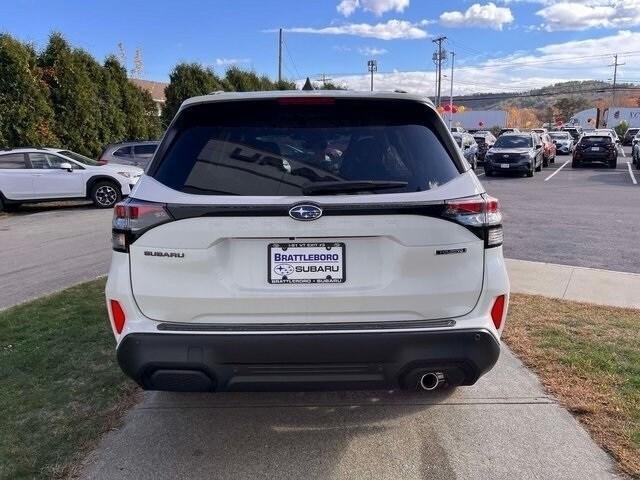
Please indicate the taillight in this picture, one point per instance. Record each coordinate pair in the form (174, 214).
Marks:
(497, 311)
(132, 218)
(102, 161)
(481, 214)
(117, 315)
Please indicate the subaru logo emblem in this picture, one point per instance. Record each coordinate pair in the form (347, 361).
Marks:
(305, 212)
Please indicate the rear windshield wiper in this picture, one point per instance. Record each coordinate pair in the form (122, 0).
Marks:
(350, 186)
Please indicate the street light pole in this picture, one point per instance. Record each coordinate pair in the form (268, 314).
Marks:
(453, 55)
(372, 66)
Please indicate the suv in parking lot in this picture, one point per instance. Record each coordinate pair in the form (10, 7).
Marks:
(595, 147)
(515, 152)
(302, 240)
(50, 174)
(138, 154)
(468, 146)
(563, 142)
(485, 141)
(629, 135)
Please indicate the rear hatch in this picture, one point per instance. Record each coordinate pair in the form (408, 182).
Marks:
(292, 212)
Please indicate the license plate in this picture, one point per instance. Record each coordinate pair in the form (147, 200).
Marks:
(306, 263)
(595, 149)
(504, 165)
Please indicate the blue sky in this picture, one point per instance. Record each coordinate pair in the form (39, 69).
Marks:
(498, 45)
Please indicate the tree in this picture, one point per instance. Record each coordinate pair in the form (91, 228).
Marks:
(185, 81)
(569, 106)
(26, 117)
(328, 85)
(74, 95)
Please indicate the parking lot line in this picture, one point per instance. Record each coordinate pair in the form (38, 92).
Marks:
(560, 168)
(479, 174)
(633, 177)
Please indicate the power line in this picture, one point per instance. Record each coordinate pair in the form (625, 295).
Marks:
(286, 48)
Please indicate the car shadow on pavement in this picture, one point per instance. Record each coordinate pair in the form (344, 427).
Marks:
(29, 208)
(285, 435)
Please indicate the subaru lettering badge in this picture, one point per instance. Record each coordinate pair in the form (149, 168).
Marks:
(305, 212)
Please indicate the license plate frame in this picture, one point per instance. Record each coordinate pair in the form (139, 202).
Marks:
(274, 278)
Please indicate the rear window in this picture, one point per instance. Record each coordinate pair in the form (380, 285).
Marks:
(595, 140)
(514, 141)
(144, 149)
(288, 147)
(12, 161)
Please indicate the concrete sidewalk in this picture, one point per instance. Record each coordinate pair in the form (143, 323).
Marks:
(602, 287)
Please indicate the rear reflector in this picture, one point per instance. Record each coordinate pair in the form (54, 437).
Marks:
(117, 315)
(497, 311)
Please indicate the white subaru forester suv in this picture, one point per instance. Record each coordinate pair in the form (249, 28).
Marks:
(307, 240)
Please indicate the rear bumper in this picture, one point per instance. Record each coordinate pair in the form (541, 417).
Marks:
(281, 361)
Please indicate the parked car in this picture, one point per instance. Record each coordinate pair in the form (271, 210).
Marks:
(485, 141)
(606, 131)
(237, 268)
(458, 130)
(138, 154)
(49, 174)
(515, 152)
(508, 130)
(629, 135)
(549, 150)
(469, 148)
(595, 147)
(635, 150)
(563, 142)
(575, 132)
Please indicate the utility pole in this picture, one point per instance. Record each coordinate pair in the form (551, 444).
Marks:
(615, 66)
(438, 57)
(324, 79)
(453, 56)
(279, 55)
(372, 66)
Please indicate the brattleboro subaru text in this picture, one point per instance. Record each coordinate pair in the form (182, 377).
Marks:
(307, 240)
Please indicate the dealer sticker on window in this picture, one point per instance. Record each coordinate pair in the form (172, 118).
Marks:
(306, 263)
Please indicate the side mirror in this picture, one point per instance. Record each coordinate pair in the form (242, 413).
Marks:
(66, 166)
(538, 146)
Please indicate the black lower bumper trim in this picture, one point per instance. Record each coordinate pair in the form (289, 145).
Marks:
(318, 361)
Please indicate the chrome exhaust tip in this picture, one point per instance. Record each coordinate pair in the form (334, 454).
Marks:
(432, 380)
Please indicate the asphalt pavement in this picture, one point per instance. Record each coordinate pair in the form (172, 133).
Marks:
(504, 427)
(586, 217)
(52, 249)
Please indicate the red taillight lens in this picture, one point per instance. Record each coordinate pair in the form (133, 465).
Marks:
(117, 315)
(102, 161)
(497, 311)
(132, 218)
(479, 212)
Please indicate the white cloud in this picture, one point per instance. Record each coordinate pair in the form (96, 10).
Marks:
(220, 62)
(372, 51)
(553, 63)
(389, 30)
(377, 7)
(484, 16)
(574, 15)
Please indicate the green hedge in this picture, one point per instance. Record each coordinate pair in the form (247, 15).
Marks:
(61, 96)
